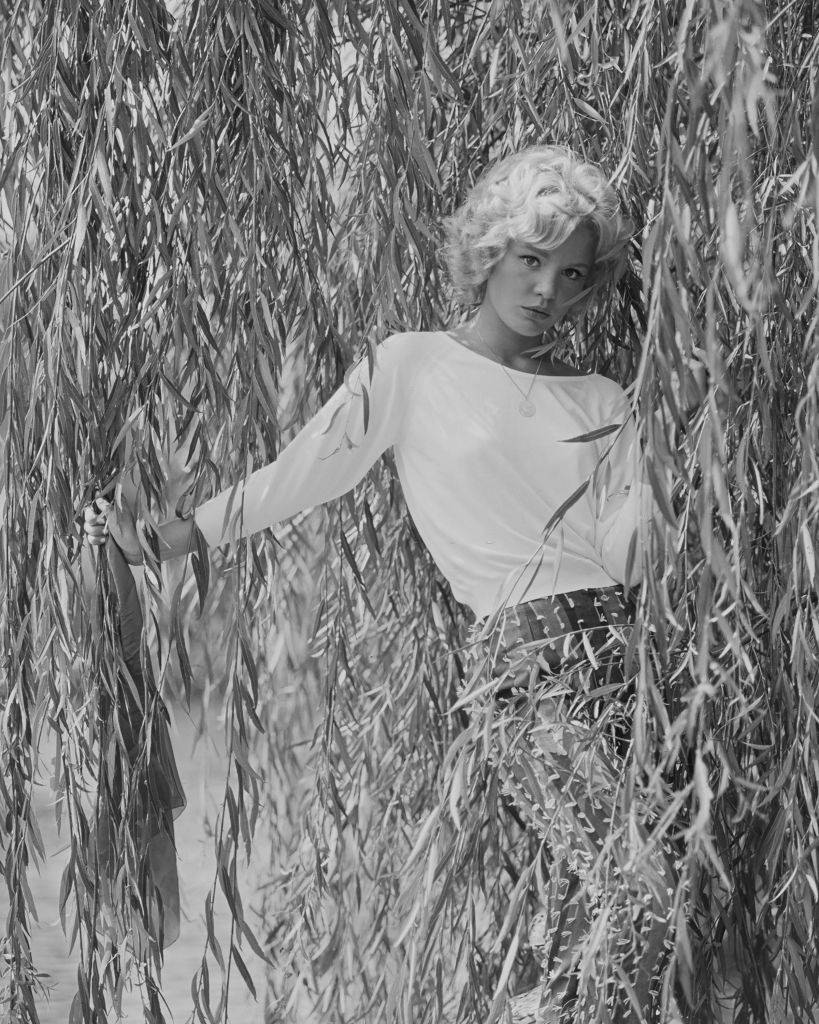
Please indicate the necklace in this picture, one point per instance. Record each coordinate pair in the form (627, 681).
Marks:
(526, 407)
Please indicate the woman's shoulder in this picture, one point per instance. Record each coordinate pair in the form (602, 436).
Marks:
(607, 385)
(413, 348)
(400, 357)
(610, 396)
(417, 340)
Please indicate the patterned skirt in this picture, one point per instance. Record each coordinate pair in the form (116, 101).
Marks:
(552, 674)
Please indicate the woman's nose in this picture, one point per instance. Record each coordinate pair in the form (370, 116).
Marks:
(546, 283)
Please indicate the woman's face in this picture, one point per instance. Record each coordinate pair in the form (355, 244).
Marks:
(531, 289)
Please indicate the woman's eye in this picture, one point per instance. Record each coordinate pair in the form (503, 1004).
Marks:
(578, 274)
(526, 257)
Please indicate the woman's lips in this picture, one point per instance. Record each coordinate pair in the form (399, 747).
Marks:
(536, 314)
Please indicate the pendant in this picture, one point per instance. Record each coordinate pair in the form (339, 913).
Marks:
(526, 408)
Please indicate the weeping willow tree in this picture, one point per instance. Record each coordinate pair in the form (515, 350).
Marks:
(207, 215)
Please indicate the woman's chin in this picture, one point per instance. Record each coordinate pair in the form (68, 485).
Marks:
(532, 323)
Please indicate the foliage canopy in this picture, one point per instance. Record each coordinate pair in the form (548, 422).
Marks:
(204, 218)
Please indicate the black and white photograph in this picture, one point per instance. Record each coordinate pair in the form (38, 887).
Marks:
(409, 512)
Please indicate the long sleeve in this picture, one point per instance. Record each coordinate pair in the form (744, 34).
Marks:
(328, 456)
(628, 504)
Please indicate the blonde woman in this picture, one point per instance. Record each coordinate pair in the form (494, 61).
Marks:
(481, 419)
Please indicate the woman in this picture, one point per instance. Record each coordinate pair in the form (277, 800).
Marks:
(489, 433)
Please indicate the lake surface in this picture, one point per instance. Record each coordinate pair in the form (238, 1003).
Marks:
(203, 774)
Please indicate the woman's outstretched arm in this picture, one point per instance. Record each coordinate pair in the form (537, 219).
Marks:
(331, 453)
(328, 456)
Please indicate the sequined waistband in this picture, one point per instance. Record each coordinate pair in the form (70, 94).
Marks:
(581, 627)
(581, 609)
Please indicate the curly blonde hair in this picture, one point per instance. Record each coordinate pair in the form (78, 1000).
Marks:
(538, 195)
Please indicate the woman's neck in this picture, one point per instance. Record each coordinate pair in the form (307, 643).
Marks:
(506, 345)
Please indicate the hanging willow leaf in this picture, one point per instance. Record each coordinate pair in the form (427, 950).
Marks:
(593, 435)
(564, 506)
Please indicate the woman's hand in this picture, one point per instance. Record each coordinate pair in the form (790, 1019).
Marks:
(102, 519)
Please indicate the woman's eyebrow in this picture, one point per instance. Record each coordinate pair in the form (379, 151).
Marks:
(545, 252)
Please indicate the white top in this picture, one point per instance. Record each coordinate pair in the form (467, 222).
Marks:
(480, 480)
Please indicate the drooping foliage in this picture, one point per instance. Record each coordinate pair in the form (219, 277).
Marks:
(206, 215)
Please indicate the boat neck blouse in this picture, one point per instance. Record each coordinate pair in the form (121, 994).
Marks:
(481, 481)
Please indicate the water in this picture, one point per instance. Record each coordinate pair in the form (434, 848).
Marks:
(203, 773)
